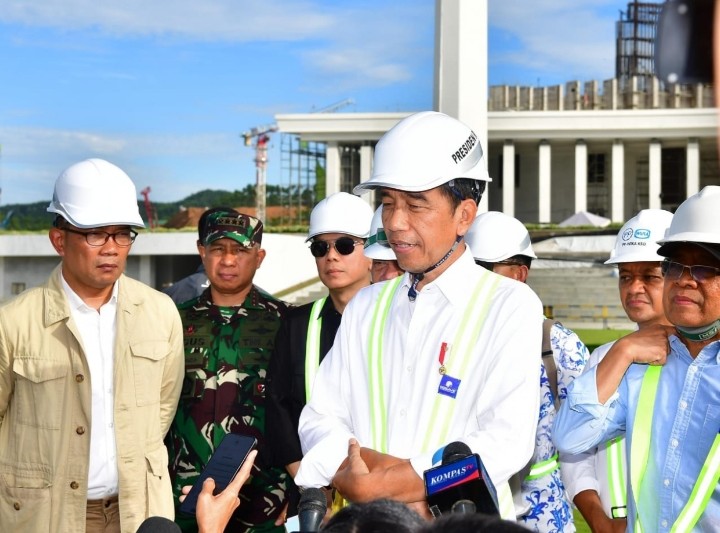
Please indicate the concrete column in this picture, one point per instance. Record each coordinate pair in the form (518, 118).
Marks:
(366, 159)
(332, 168)
(508, 194)
(461, 88)
(693, 166)
(544, 181)
(617, 198)
(145, 270)
(655, 174)
(581, 176)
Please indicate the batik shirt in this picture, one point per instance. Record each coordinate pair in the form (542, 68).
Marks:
(550, 511)
(227, 350)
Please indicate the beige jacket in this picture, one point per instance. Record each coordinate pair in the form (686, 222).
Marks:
(45, 408)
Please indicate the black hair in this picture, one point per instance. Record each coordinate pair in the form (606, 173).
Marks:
(377, 516)
(460, 189)
(470, 522)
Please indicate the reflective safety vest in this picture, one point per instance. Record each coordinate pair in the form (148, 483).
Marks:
(617, 482)
(312, 346)
(473, 317)
(640, 451)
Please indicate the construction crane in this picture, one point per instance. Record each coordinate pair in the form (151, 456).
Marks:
(261, 135)
(149, 211)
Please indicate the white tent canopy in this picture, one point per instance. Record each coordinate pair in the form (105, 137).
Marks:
(583, 218)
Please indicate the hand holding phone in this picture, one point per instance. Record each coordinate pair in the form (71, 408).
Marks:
(229, 456)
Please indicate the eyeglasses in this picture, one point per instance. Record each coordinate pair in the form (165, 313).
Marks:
(343, 246)
(673, 270)
(99, 238)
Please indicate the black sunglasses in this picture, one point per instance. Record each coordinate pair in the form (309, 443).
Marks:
(700, 273)
(343, 246)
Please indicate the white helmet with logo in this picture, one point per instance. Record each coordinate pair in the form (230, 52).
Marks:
(94, 193)
(341, 212)
(696, 220)
(637, 239)
(423, 151)
(495, 236)
(377, 247)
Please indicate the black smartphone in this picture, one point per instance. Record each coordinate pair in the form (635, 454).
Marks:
(224, 463)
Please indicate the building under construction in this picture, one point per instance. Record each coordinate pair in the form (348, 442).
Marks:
(635, 42)
(302, 179)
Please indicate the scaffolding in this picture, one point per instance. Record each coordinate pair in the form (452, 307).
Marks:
(635, 43)
(302, 180)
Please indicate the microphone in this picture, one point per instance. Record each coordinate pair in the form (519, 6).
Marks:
(460, 484)
(311, 509)
(158, 524)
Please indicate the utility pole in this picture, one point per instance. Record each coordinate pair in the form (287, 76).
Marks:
(261, 134)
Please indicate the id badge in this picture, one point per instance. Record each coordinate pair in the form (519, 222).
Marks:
(448, 386)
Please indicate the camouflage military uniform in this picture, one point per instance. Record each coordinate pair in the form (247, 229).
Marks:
(226, 356)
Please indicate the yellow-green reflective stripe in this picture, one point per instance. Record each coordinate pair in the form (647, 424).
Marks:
(702, 491)
(616, 477)
(378, 415)
(312, 346)
(461, 353)
(542, 468)
(642, 428)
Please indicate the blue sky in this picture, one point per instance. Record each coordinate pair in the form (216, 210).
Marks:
(164, 88)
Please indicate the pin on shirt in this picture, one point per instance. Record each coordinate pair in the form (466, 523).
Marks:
(444, 350)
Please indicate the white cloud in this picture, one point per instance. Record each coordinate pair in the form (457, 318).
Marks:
(216, 20)
(175, 166)
(559, 36)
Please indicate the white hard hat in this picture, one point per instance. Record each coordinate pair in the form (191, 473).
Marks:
(495, 236)
(637, 239)
(423, 151)
(696, 220)
(377, 247)
(95, 193)
(341, 212)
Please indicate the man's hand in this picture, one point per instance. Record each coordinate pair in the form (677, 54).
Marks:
(590, 506)
(353, 473)
(649, 345)
(367, 475)
(213, 512)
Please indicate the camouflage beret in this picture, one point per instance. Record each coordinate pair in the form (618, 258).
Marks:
(242, 228)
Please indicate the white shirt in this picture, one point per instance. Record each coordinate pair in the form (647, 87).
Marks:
(589, 470)
(497, 409)
(97, 332)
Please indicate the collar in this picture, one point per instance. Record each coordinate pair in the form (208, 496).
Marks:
(455, 282)
(77, 303)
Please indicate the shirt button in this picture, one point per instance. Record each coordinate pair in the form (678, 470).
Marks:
(683, 404)
(666, 482)
(17, 506)
(402, 412)
(692, 369)
(80, 430)
(74, 485)
(663, 523)
(674, 443)
(409, 369)
(79, 378)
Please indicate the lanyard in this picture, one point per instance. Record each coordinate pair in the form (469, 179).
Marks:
(312, 346)
(640, 449)
(472, 318)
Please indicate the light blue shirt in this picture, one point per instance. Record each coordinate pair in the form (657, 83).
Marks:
(686, 421)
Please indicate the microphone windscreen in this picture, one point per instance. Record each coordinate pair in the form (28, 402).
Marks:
(312, 499)
(455, 451)
(158, 524)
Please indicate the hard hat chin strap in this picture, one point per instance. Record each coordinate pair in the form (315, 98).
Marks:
(700, 334)
(417, 278)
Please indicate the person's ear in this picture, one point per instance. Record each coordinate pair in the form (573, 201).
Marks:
(57, 239)
(465, 213)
